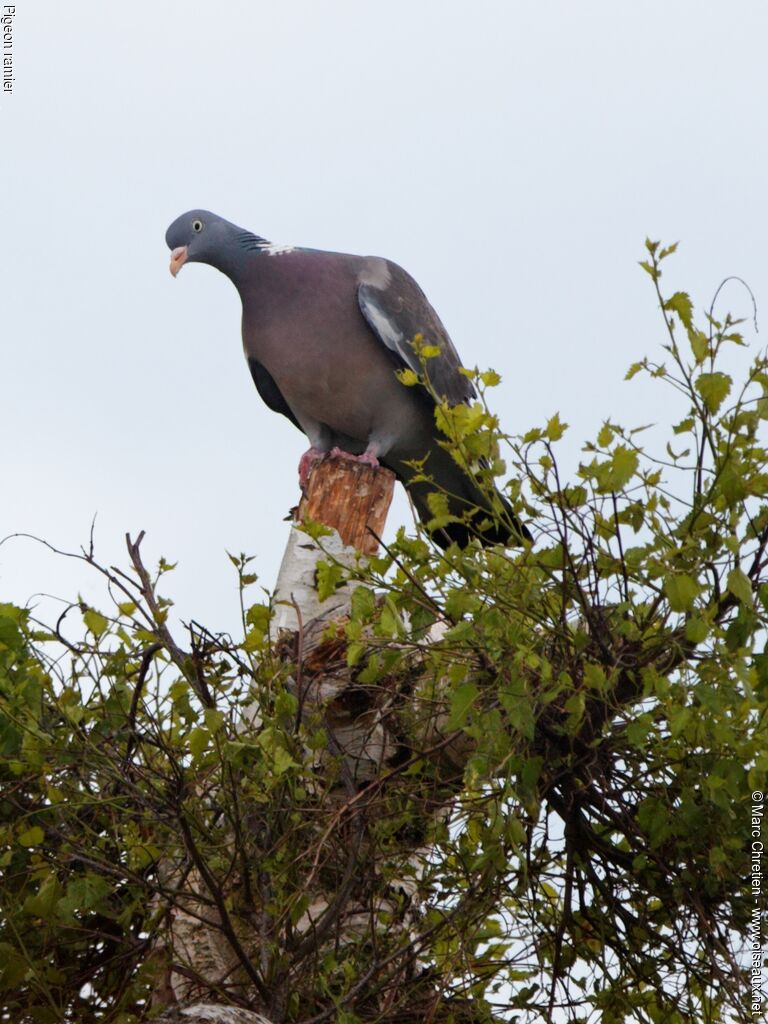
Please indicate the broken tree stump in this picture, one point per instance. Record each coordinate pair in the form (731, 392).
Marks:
(351, 498)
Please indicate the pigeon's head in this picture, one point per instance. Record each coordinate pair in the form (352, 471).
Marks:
(202, 237)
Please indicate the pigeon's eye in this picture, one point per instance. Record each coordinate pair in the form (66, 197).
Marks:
(197, 225)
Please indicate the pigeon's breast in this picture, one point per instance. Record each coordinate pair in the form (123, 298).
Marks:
(304, 325)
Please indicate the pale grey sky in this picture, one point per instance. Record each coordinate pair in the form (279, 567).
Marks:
(512, 156)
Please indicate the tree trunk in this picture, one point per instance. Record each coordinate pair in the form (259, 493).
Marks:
(356, 897)
(350, 498)
(209, 1013)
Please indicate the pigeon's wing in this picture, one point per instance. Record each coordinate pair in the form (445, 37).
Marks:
(396, 310)
(269, 391)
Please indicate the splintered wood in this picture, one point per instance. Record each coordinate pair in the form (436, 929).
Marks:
(351, 497)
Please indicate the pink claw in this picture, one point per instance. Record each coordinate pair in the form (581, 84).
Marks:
(309, 458)
(367, 457)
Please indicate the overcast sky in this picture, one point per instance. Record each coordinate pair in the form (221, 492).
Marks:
(512, 156)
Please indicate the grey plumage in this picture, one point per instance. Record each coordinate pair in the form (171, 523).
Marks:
(324, 334)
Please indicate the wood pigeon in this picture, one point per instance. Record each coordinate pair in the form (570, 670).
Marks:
(324, 334)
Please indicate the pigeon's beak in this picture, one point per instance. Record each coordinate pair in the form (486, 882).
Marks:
(178, 259)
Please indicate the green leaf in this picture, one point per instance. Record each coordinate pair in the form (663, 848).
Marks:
(681, 304)
(459, 602)
(438, 505)
(490, 378)
(198, 740)
(254, 640)
(314, 529)
(605, 436)
(95, 621)
(32, 837)
(696, 630)
(282, 761)
(84, 893)
(535, 434)
(681, 592)
(355, 651)
(462, 699)
(519, 713)
(634, 369)
(740, 587)
(713, 388)
(178, 690)
(761, 670)
(650, 269)
(43, 902)
(407, 377)
(329, 576)
(740, 630)
(615, 474)
(699, 344)
(363, 603)
(638, 729)
(594, 676)
(555, 428)
(575, 707)
(624, 466)
(214, 719)
(391, 622)
(258, 617)
(684, 426)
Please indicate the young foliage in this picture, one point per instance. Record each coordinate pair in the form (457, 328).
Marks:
(511, 785)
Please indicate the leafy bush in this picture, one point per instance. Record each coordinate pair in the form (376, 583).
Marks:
(540, 810)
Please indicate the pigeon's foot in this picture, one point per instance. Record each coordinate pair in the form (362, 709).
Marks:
(307, 461)
(309, 458)
(367, 457)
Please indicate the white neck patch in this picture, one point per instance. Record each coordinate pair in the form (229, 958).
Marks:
(272, 249)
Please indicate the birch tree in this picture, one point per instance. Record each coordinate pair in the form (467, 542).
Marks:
(420, 785)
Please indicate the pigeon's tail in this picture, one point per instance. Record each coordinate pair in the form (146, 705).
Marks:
(486, 516)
